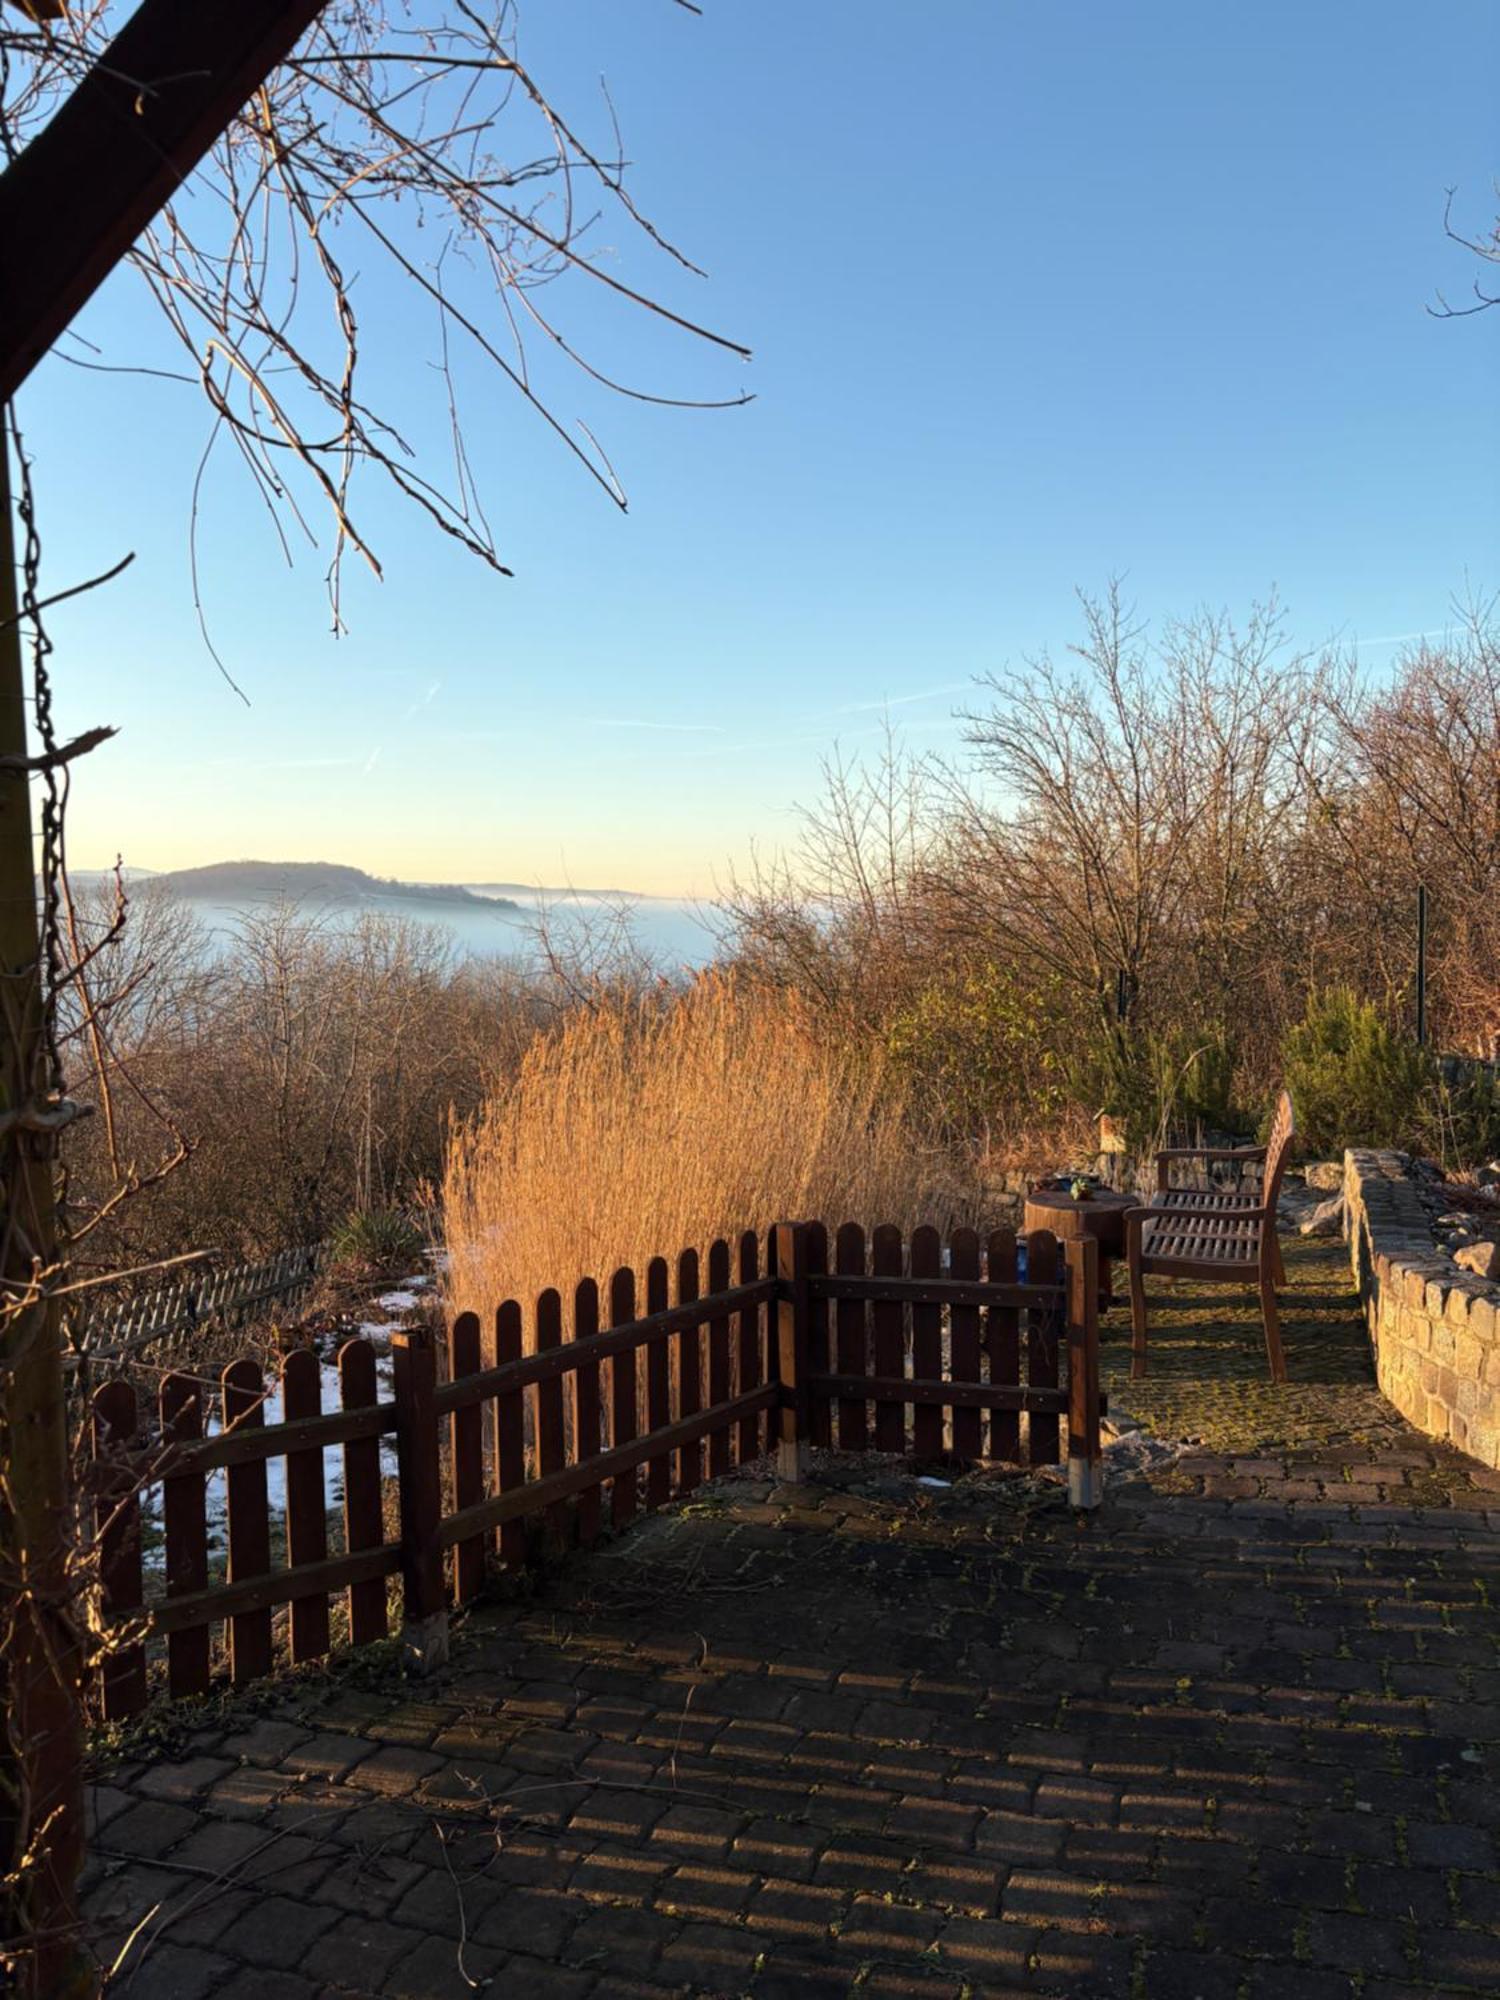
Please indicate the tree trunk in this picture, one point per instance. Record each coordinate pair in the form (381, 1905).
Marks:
(41, 1793)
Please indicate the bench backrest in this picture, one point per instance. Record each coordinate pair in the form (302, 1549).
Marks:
(1278, 1149)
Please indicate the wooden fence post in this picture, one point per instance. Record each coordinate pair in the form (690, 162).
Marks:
(792, 1317)
(1085, 1463)
(424, 1628)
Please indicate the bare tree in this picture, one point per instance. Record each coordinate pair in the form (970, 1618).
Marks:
(417, 140)
(1486, 248)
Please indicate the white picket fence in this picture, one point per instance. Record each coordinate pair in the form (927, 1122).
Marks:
(219, 1298)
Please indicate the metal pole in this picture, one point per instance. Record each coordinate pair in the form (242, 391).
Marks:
(1421, 964)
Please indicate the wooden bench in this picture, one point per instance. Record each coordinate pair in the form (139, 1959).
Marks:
(1167, 1196)
(1222, 1237)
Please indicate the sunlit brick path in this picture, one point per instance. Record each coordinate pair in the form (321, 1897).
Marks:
(1236, 1737)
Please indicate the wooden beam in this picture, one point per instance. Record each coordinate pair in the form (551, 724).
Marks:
(118, 148)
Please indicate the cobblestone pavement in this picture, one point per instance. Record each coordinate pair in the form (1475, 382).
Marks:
(1235, 1738)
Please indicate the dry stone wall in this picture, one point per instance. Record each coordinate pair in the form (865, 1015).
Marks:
(1435, 1328)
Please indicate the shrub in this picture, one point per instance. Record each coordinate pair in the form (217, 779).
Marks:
(1161, 1083)
(639, 1128)
(975, 1047)
(1355, 1081)
(1462, 1127)
(376, 1239)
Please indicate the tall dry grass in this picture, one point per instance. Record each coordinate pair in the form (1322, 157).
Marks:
(642, 1127)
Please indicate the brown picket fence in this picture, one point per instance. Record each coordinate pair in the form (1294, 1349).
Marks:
(881, 1345)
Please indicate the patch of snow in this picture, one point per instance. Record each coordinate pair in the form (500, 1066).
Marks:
(926, 1479)
(398, 1301)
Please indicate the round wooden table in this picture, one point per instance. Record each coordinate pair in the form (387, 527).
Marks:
(1102, 1216)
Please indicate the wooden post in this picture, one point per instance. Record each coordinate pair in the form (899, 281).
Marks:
(466, 1449)
(1085, 1462)
(41, 1668)
(792, 1314)
(424, 1628)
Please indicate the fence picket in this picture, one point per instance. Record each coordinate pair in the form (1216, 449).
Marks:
(887, 1261)
(1042, 1349)
(624, 1426)
(658, 1388)
(963, 1343)
(1003, 1344)
(719, 1389)
(364, 1512)
(510, 1433)
(466, 1449)
(820, 1405)
(749, 1348)
(117, 1518)
(185, 1533)
(687, 1355)
(547, 1415)
(851, 1337)
(927, 1344)
(586, 1407)
(306, 1509)
(249, 1522)
(226, 1295)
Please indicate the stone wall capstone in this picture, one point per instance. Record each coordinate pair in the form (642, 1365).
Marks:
(1435, 1329)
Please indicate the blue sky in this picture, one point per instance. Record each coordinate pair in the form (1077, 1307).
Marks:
(1036, 293)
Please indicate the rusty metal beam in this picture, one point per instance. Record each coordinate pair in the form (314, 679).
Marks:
(118, 148)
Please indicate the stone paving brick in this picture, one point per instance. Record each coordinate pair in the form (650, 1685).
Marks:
(1297, 1982)
(184, 1782)
(394, 1771)
(988, 1953)
(1006, 1836)
(613, 1874)
(150, 1829)
(716, 1895)
(608, 1942)
(432, 1971)
(1432, 1846)
(785, 1975)
(1341, 1939)
(1467, 1958)
(182, 1972)
(714, 1956)
(1168, 1974)
(357, 1954)
(251, 1984)
(266, 1741)
(531, 1920)
(276, 1932)
(327, 1755)
(702, 1832)
(795, 1911)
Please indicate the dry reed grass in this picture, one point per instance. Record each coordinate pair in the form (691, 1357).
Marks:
(642, 1127)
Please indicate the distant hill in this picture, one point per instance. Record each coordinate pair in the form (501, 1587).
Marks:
(327, 882)
(497, 892)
